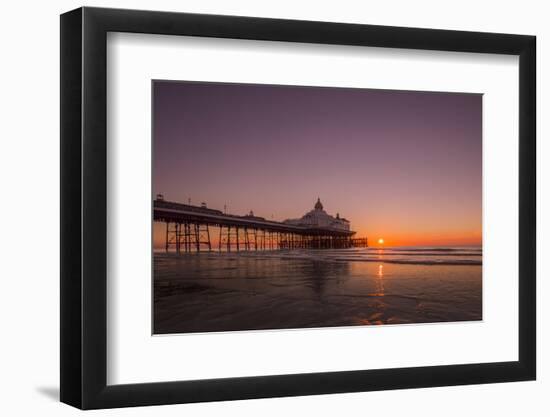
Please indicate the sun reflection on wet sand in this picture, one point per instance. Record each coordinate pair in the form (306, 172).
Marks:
(380, 281)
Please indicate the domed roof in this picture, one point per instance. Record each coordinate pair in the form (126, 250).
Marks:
(318, 205)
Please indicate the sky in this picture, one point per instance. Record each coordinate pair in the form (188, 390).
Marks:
(403, 166)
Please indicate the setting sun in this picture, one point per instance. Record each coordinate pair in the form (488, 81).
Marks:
(380, 241)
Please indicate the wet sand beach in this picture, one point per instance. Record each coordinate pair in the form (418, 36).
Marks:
(209, 292)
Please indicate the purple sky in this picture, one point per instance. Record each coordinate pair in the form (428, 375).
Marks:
(401, 165)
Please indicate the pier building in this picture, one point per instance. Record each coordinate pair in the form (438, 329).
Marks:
(319, 218)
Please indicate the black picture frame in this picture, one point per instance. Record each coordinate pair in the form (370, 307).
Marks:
(84, 207)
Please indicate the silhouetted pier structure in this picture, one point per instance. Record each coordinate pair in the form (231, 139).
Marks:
(188, 230)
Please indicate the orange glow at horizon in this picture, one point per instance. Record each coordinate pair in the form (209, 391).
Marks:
(419, 238)
(392, 238)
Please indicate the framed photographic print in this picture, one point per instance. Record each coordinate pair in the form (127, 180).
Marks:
(257, 208)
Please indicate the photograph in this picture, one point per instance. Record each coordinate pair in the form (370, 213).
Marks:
(294, 207)
(274, 205)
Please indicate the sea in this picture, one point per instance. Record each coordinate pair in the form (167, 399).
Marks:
(305, 288)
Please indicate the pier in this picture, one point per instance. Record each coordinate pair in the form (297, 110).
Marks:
(189, 229)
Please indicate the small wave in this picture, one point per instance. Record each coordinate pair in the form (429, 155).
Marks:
(413, 261)
(429, 254)
(404, 258)
(442, 260)
(463, 249)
